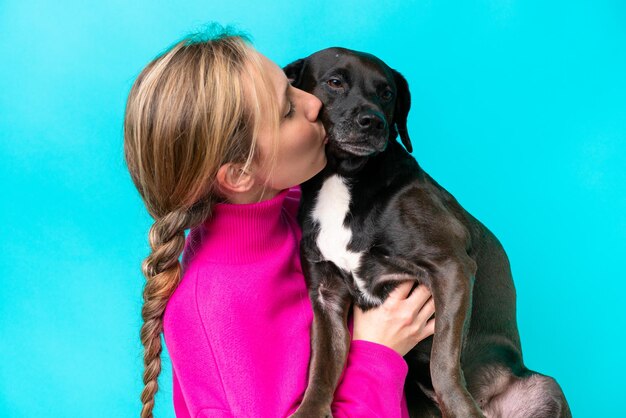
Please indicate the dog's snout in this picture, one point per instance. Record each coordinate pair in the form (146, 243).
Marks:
(371, 122)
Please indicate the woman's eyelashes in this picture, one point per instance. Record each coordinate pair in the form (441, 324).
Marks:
(292, 108)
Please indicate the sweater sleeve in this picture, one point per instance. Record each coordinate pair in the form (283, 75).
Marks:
(372, 384)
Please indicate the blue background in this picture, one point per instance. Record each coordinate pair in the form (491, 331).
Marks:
(519, 110)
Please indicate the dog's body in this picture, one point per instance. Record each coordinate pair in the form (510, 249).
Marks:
(373, 218)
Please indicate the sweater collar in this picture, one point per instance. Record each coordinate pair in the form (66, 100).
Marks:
(239, 233)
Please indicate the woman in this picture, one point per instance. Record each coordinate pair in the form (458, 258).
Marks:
(217, 141)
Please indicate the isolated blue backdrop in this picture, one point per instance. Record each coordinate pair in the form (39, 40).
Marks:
(519, 109)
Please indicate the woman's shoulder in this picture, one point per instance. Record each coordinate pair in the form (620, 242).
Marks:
(193, 274)
(198, 289)
(181, 306)
(205, 281)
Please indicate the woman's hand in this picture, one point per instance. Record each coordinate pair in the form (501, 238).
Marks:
(399, 323)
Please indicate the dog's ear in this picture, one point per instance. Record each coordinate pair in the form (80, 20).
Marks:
(401, 111)
(294, 72)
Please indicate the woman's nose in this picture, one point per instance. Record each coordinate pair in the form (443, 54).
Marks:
(313, 106)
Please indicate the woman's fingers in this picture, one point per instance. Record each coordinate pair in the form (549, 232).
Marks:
(401, 291)
(401, 322)
(427, 310)
(426, 326)
(427, 330)
(420, 296)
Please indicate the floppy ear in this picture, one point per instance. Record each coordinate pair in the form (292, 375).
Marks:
(401, 111)
(294, 72)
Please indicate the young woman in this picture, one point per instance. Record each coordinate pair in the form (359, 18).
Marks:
(217, 142)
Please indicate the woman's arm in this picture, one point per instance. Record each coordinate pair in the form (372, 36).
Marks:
(260, 369)
(373, 381)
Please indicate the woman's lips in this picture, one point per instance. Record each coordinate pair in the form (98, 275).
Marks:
(325, 136)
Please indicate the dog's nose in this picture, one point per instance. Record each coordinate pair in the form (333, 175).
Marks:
(371, 122)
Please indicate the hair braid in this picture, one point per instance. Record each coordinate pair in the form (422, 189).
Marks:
(163, 272)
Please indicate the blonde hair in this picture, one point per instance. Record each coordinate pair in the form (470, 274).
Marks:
(188, 112)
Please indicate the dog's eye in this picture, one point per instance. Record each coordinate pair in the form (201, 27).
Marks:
(387, 95)
(334, 82)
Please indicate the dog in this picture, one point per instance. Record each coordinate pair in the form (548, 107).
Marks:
(371, 219)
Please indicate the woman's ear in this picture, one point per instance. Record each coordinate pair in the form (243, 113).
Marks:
(232, 179)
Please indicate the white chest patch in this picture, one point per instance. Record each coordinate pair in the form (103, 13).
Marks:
(331, 208)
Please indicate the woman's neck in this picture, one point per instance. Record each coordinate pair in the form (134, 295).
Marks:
(253, 195)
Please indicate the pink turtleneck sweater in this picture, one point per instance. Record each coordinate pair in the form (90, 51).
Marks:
(237, 328)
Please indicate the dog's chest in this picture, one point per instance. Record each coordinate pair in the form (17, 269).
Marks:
(330, 210)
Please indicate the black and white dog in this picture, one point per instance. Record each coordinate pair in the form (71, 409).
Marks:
(373, 218)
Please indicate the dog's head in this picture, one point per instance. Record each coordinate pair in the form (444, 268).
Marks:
(366, 102)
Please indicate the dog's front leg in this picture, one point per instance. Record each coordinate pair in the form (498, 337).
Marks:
(330, 338)
(451, 287)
